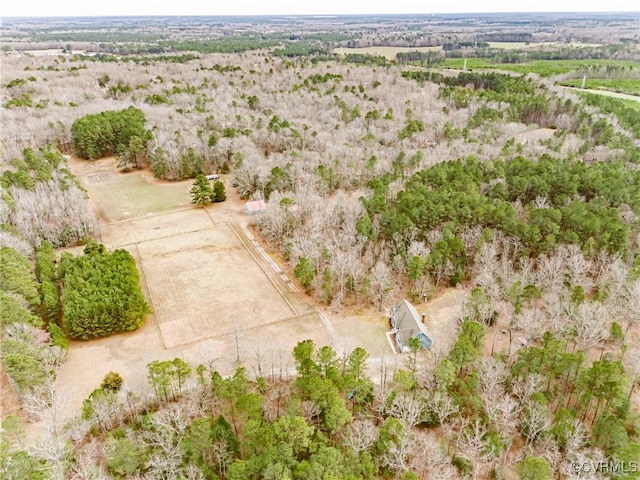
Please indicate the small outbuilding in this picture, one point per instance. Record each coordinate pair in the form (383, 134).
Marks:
(255, 207)
(406, 323)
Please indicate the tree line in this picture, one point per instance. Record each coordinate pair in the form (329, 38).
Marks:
(42, 200)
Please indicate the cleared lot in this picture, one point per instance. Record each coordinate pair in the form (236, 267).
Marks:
(201, 281)
(213, 302)
(117, 196)
(204, 284)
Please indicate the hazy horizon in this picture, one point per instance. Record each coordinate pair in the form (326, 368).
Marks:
(122, 8)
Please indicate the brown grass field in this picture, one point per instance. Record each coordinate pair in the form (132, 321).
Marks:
(203, 284)
(388, 52)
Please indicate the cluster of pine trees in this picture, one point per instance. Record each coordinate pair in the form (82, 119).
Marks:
(91, 296)
(100, 293)
(558, 201)
(26, 356)
(120, 133)
(203, 193)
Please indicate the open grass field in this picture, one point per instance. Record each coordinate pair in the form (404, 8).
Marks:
(119, 196)
(544, 68)
(621, 85)
(388, 52)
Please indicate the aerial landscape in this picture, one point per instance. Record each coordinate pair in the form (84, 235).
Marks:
(332, 246)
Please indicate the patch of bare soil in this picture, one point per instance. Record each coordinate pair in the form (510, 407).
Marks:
(535, 135)
(9, 403)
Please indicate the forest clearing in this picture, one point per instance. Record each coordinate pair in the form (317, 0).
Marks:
(212, 303)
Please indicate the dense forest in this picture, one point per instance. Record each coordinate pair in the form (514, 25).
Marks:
(406, 180)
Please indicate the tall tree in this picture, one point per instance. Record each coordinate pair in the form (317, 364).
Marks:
(219, 192)
(202, 192)
(304, 272)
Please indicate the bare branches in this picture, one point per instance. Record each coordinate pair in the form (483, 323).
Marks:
(407, 407)
(381, 282)
(470, 446)
(590, 325)
(361, 435)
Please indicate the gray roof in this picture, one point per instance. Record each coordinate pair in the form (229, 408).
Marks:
(408, 324)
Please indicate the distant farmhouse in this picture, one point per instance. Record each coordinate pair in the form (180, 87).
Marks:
(406, 323)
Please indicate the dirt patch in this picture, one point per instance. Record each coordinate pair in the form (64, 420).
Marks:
(9, 403)
(535, 135)
(204, 284)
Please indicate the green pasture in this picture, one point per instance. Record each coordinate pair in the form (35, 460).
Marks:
(621, 85)
(544, 68)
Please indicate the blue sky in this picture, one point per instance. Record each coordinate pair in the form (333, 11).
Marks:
(325, 7)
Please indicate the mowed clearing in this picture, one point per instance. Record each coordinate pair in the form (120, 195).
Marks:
(212, 302)
(201, 281)
(216, 301)
(119, 196)
(204, 284)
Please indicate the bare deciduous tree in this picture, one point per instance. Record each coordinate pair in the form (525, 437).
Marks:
(381, 282)
(590, 325)
(470, 445)
(536, 421)
(361, 435)
(429, 461)
(440, 404)
(397, 454)
(407, 407)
